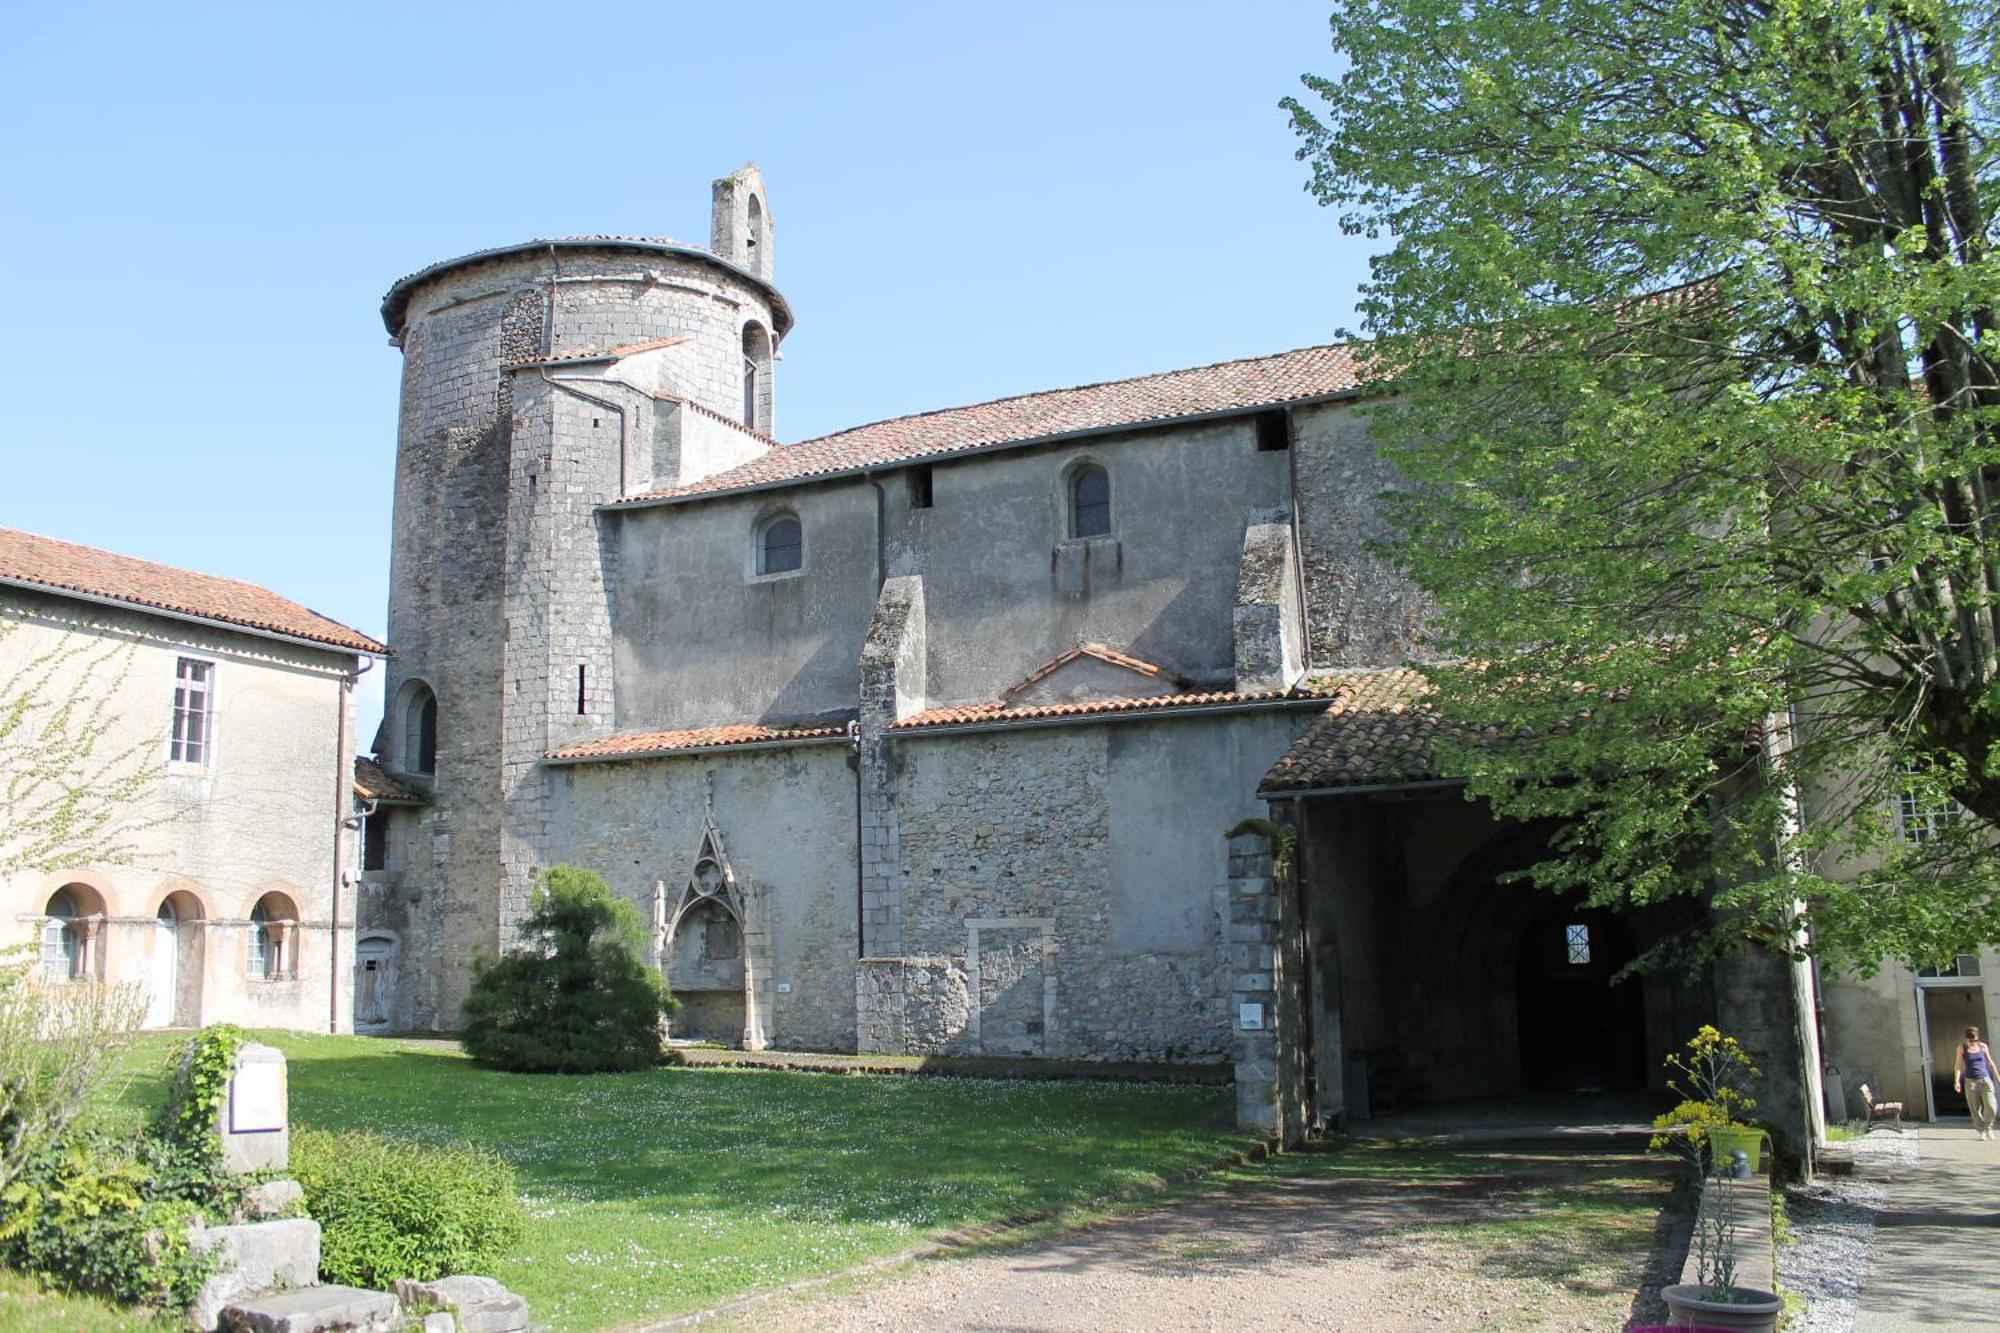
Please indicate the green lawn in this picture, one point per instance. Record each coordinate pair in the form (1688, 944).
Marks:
(666, 1191)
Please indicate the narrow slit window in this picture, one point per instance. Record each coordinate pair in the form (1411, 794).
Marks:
(1577, 939)
(582, 688)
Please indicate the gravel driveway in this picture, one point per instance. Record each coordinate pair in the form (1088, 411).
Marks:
(1320, 1251)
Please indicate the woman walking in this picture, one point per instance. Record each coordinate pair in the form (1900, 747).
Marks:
(1973, 1076)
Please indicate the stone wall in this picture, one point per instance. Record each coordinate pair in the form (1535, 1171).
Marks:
(787, 819)
(1360, 611)
(1062, 889)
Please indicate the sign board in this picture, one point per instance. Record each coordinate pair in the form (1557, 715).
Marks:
(257, 1098)
(1250, 1017)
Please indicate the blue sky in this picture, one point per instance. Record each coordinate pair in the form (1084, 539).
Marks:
(201, 206)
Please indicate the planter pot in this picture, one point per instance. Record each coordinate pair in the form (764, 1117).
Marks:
(1726, 1139)
(1752, 1309)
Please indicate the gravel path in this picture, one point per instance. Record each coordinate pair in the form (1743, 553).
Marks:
(1834, 1221)
(1318, 1252)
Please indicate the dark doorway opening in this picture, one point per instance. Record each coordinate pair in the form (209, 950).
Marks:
(1579, 1030)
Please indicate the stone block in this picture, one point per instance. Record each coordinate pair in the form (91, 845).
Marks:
(315, 1310)
(438, 1321)
(253, 1257)
(254, 1118)
(274, 1198)
(478, 1304)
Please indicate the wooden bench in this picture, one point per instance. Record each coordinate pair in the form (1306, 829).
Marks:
(1880, 1110)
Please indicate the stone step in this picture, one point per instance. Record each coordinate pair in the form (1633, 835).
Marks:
(315, 1310)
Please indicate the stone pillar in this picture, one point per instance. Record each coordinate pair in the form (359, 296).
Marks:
(893, 685)
(1762, 1000)
(1268, 1101)
(1268, 626)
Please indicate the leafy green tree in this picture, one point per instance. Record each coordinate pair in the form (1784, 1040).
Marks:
(576, 997)
(1689, 310)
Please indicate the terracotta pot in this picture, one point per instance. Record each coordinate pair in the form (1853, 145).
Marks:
(1753, 1309)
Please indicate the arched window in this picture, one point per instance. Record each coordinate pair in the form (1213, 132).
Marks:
(756, 238)
(420, 729)
(756, 378)
(780, 545)
(1089, 501)
(272, 947)
(62, 941)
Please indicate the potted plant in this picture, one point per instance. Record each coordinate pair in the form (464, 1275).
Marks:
(1712, 1075)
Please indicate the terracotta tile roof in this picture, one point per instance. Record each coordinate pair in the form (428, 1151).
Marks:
(66, 567)
(973, 714)
(608, 354)
(1379, 729)
(372, 783)
(644, 744)
(1103, 653)
(1310, 372)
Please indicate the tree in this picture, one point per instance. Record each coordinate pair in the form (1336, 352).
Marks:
(576, 997)
(1689, 322)
(70, 792)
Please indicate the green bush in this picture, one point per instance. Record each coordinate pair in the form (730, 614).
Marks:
(90, 1216)
(577, 996)
(388, 1208)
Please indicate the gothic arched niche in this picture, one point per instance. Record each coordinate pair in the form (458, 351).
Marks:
(704, 951)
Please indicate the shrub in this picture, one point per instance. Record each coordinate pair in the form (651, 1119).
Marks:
(577, 996)
(388, 1208)
(89, 1215)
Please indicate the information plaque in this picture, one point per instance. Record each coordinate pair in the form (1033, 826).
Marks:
(257, 1098)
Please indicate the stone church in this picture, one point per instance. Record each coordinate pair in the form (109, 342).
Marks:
(928, 735)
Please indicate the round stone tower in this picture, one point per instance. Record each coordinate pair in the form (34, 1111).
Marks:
(540, 381)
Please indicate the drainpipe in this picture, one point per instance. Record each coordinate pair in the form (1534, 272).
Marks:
(860, 873)
(343, 785)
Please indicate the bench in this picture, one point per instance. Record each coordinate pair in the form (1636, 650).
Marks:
(1880, 1110)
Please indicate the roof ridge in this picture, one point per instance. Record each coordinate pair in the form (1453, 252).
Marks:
(1073, 388)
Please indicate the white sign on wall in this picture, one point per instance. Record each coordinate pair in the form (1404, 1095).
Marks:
(257, 1098)
(1250, 1017)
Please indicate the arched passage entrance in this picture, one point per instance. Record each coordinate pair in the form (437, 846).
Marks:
(1439, 975)
(1581, 1027)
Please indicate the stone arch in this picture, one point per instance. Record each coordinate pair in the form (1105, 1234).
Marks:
(271, 942)
(778, 543)
(88, 877)
(757, 388)
(414, 735)
(1468, 965)
(74, 913)
(177, 954)
(1085, 498)
(712, 949)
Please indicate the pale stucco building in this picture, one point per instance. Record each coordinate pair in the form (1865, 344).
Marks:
(210, 726)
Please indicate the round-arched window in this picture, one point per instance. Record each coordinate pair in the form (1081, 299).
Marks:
(781, 546)
(417, 752)
(273, 939)
(1089, 501)
(62, 943)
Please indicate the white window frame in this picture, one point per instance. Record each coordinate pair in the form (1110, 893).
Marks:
(202, 685)
(1576, 943)
(1919, 825)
